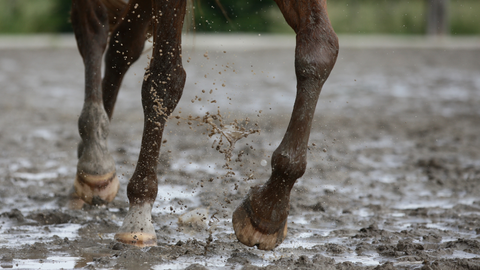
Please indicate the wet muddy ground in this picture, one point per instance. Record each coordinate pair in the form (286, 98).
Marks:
(393, 167)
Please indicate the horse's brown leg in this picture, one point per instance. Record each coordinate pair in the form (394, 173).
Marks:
(161, 91)
(261, 219)
(96, 181)
(125, 47)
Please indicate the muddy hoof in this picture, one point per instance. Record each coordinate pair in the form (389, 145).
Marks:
(252, 230)
(137, 239)
(137, 229)
(96, 189)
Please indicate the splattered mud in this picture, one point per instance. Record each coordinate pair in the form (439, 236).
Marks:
(393, 167)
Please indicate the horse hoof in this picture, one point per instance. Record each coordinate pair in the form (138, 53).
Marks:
(96, 189)
(137, 239)
(137, 228)
(255, 231)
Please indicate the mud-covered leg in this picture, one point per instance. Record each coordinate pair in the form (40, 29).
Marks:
(125, 47)
(95, 181)
(161, 91)
(261, 219)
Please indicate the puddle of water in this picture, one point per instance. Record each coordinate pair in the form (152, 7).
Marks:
(416, 203)
(397, 214)
(218, 262)
(363, 212)
(26, 206)
(36, 176)
(212, 166)
(166, 193)
(386, 142)
(49, 263)
(186, 165)
(467, 201)
(300, 220)
(408, 264)
(462, 255)
(14, 165)
(352, 257)
(45, 134)
(215, 262)
(289, 243)
(31, 234)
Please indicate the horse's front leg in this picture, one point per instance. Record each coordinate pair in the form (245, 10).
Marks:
(96, 181)
(161, 91)
(261, 219)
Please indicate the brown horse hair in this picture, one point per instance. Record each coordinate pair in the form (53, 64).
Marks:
(115, 9)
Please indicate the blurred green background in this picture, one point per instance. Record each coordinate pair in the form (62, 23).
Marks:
(347, 16)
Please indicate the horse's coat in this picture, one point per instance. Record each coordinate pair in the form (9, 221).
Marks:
(261, 219)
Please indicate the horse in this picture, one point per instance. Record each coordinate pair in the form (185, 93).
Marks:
(119, 30)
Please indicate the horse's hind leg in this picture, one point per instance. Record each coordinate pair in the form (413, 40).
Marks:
(261, 219)
(161, 91)
(125, 47)
(96, 181)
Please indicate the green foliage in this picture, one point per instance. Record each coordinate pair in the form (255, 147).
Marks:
(347, 16)
(465, 19)
(235, 15)
(34, 16)
(399, 16)
(377, 16)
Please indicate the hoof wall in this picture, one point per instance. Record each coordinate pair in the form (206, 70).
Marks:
(137, 228)
(250, 235)
(96, 189)
(137, 239)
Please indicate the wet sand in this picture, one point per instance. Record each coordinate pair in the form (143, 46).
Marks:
(392, 176)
